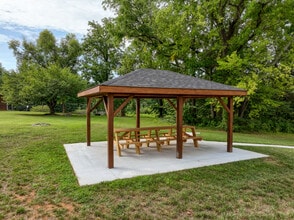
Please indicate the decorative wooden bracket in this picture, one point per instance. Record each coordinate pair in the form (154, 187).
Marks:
(89, 102)
(123, 105)
(95, 106)
(105, 104)
(119, 108)
(172, 104)
(223, 104)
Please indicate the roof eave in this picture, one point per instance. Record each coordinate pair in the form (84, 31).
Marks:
(99, 90)
(90, 92)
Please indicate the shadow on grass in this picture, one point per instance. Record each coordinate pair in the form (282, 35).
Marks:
(36, 114)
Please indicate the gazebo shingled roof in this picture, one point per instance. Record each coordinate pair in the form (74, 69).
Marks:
(164, 79)
(150, 83)
(162, 82)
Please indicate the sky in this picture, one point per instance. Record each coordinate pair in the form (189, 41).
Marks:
(25, 19)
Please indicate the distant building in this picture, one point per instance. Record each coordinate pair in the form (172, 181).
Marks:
(3, 105)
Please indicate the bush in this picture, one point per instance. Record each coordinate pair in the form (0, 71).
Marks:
(260, 125)
(40, 108)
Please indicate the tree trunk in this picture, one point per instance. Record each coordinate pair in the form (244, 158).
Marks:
(243, 108)
(123, 112)
(160, 109)
(63, 108)
(52, 104)
(194, 109)
(212, 111)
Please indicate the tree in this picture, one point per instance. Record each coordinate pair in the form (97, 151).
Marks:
(245, 43)
(70, 51)
(100, 53)
(2, 71)
(55, 85)
(46, 51)
(47, 71)
(10, 88)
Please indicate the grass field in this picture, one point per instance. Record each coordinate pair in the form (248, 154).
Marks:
(37, 181)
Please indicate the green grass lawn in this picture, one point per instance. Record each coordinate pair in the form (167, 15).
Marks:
(37, 181)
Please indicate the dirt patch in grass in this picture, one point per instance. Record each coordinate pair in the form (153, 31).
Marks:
(29, 206)
(272, 161)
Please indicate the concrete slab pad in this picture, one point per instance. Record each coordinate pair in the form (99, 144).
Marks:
(90, 162)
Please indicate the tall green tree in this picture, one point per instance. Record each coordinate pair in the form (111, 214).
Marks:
(2, 71)
(39, 85)
(46, 51)
(192, 36)
(70, 51)
(10, 88)
(246, 43)
(47, 71)
(101, 54)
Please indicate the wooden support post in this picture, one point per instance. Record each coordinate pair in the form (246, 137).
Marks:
(230, 125)
(138, 122)
(110, 120)
(88, 114)
(138, 113)
(180, 103)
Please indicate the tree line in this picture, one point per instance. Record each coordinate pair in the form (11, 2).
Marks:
(244, 43)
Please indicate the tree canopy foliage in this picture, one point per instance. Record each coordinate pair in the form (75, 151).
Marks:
(100, 53)
(47, 71)
(2, 71)
(46, 51)
(246, 43)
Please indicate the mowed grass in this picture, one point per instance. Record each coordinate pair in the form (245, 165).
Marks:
(37, 181)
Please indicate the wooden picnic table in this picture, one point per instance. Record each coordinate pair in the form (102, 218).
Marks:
(124, 137)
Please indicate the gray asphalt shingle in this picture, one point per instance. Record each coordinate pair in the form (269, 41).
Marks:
(151, 78)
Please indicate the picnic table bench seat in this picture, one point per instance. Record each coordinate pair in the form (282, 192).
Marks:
(124, 137)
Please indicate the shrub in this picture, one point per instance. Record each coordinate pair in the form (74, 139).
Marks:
(40, 108)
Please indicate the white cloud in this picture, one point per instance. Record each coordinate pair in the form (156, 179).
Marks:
(64, 15)
(4, 38)
(26, 18)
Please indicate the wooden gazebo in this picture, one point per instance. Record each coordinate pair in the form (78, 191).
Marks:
(150, 83)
